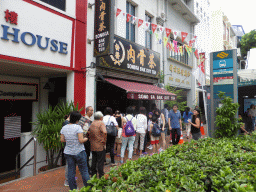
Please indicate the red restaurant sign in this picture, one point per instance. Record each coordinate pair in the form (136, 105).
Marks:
(149, 96)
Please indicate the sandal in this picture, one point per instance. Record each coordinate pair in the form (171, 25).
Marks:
(113, 164)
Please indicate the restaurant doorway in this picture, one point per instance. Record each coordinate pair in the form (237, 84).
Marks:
(11, 147)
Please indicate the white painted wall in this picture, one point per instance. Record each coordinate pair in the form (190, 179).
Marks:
(217, 30)
(30, 20)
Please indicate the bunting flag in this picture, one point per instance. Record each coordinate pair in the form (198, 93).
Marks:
(133, 19)
(175, 46)
(194, 39)
(168, 45)
(172, 48)
(124, 14)
(160, 41)
(183, 36)
(128, 17)
(118, 11)
(196, 54)
(168, 32)
(181, 50)
(175, 35)
(187, 49)
(165, 41)
(156, 34)
(161, 29)
(140, 22)
(154, 26)
(147, 24)
(190, 43)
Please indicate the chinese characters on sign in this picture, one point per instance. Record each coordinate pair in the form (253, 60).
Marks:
(129, 56)
(182, 72)
(11, 16)
(103, 28)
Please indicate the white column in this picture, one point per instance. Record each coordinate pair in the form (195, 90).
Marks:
(70, 86)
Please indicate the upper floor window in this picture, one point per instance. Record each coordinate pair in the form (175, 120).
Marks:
(60, 4)
(197, 4)
(130, 27)
(177, 56)
(228, 34)
(148, 36)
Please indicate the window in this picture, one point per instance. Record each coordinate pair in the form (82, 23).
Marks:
(204, 14)
(201, 10)
(148, 36)
(186, 1)
(130, 28)
(178, 57)
(197, 4)
(60, 4)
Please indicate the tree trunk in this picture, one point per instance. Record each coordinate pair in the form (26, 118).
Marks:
(57, 158)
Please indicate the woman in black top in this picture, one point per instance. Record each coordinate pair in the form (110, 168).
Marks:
(195, 125)
(118, 141)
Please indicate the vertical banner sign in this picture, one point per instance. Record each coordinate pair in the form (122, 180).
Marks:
(223, 78)
(104, 27)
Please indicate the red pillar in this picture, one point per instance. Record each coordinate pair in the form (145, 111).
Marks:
(80, 53)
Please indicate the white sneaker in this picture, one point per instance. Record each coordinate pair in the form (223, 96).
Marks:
(66, 183)
(150, 147)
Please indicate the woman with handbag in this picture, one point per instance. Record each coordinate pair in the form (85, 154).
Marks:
(112, 127)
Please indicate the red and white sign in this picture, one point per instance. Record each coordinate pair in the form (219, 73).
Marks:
(217, 79)
(208, 96)
(143, 96)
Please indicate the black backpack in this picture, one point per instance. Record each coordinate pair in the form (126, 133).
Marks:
(156, 131)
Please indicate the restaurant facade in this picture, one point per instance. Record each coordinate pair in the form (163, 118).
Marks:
(42, 60)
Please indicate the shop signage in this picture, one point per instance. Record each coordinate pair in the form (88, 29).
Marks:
(103, 27)
(56, 46)
(131, 57)
(222, 60)
(181, 76)
(223, 80)
(149, 96)
(18, 91)
(25, 34)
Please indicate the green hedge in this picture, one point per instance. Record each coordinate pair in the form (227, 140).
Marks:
(204, 165)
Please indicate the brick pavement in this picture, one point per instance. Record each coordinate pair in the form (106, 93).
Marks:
(53, 180)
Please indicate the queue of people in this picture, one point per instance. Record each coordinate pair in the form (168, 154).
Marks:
(84, 137)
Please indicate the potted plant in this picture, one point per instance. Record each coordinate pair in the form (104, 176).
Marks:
(47, 131)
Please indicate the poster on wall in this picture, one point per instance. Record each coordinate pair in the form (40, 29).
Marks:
(103, 27)
(131, 57)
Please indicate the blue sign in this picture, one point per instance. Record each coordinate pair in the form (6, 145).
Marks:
(228, 89)
(222, 64)
(228, 54)
(59, 46)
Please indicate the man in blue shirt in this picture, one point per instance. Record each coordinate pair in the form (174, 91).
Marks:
(174, 122)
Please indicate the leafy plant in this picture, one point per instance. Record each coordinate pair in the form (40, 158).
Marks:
(47, 131)
(226, 121)
(181, 104)
(225, 164)
(248, 42)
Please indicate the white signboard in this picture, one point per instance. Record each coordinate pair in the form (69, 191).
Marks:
(18, 91)
(29, 32)
(180, 76)
(12, 127)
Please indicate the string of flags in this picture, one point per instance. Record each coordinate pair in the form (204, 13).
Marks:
(158, 31)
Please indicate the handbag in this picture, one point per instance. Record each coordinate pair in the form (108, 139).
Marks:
(111, 129)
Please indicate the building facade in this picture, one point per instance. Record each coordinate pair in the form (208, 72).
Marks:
(176, 69)
(42, 56)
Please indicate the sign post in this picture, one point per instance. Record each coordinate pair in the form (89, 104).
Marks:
(223, 78)
(104, 27)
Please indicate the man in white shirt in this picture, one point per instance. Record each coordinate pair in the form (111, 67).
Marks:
(108, 119)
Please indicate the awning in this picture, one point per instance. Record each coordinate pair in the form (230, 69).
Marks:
(142, 91)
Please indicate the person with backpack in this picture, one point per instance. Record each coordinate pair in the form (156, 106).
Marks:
(141, 130)
(161, 123)
(150, 115)
(109, 119)
(129, 133)
(186, 116)
(155, 133)
(175, 124)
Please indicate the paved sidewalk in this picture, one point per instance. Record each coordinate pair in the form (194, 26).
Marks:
(53, 180)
